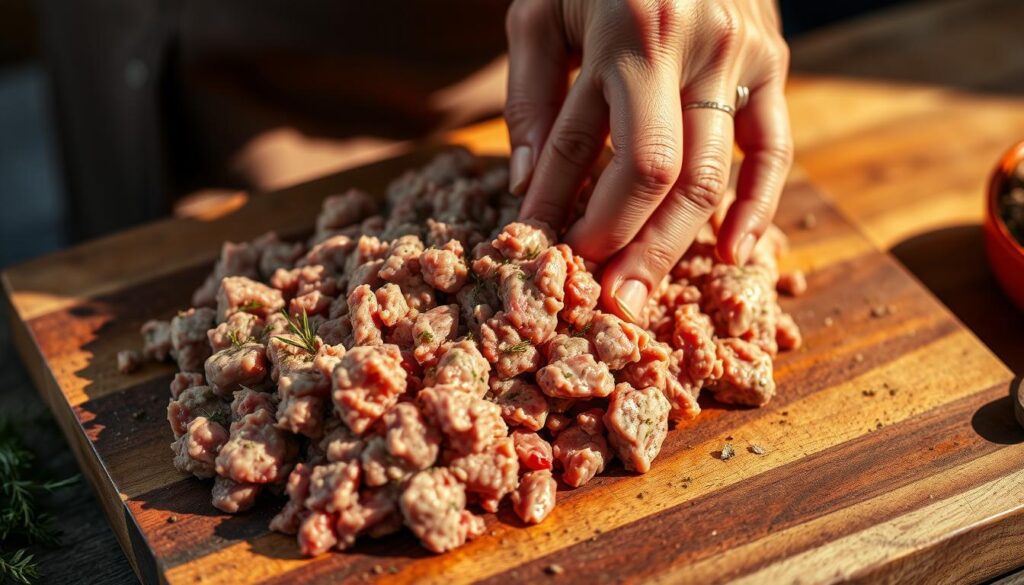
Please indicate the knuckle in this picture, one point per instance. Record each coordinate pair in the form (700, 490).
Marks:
(575, 146)
(729, 29)
(705, 186)
(655, 164)
(781, 151)
(658, 258)
(519, 111)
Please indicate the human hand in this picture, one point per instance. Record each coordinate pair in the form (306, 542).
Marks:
(641, 62)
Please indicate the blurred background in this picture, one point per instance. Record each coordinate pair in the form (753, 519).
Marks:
(114, 113)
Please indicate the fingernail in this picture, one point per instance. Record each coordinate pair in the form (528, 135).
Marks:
(519, 169)
(744, 248)
(631, 297)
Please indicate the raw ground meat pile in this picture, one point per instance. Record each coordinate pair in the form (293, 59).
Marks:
(423, 360)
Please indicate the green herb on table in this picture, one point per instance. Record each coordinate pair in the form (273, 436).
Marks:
(20, 519)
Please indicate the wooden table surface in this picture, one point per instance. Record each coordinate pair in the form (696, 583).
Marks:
(898, 117)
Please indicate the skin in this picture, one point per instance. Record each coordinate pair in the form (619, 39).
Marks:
(639, 62)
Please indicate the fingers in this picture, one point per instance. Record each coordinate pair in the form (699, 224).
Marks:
(646, 130)
(638, 269)
(762, 131)
(537, 82)
(572, 146)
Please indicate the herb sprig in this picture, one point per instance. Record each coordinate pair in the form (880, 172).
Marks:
(20, 518)
(302, 330)
(515, 347)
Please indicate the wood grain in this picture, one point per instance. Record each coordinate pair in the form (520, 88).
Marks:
(869, 408)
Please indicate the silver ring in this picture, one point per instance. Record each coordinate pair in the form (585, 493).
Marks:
(711, 105)
(742, 96)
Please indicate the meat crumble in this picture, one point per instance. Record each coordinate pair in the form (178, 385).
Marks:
(424, 358)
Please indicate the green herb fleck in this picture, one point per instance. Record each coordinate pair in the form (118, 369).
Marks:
(582, 331)
(516, 347)
(425, 336)
(532, 252)
(301, 329)
(250, 306)
(237, 342)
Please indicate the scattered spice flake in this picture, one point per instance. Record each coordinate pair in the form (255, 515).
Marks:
(172, 519)
(728, 438)
(757, 450)
(892, 391)
(882, 311)
(554, 569)
(727, 452)
(640, 496)
(829, 321)
(868, 392)
(377, 570)
(858, 357)
(808, 221)
(785, 413)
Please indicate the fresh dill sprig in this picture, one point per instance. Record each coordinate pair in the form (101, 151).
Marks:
(250, 306)
(582, 331)
(237, 342)
(516, 347)
(302, 330)
(19, 567)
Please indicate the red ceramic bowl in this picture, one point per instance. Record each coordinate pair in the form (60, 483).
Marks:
(1005, 254)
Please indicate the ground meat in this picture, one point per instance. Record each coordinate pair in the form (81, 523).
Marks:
(128, 360)
(233, 497)
(316, 534)
(235, 260)
(522, 403)
(523, 241)
(616, 342)
(331, 253)
(230, 369)
(444, 268)
(581, 455)
(637, 422)
(491, 474)
(563, 346)
(557, 423)
(409, 444)
(651, 370)
(302, 415)
(579, 376)
(275, 254)
(680, 389)
(196, 449)
(391, 304)
(364, 313)
(700, 363)
(433, 506)
(297, 489)
(156, 337)
(339, 443)
(192, 403)
(257, 451)
(239, 328)
(313, 303)
(746, 374)
(431, 330)
(184, 380)
(238, 293)
(304, 280)
(470, 423)
(793, 283)
(366, 383)
(333, 487)
(510, 354)
(533, 451)
(533, 314)
(341, 211)
(787, 333)
(535, 497)
(736, 297)
(247, 401)
(460, 364)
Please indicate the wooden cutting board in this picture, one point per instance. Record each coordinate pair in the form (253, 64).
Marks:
(890, 451)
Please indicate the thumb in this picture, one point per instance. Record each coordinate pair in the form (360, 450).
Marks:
(537, 82)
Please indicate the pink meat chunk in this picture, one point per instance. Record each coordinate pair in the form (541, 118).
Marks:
(470, 423)
(652, 369)
(348, 208)
(303, 280)
(311, 303)
(533, 313)
(431, 330)
(616, 342)
(460, 364)
(409, 444)
(128, 360)
(523, 241)
(247, 401)
(681, 391)
(184, 380)
(392, 307)
(533, 451)
(235, 260)
(534, 500)
(366, 383)
(637, 423)
(787, 333)
(522, 403)
(192, 403)
(364, 313)
(694, 335)
(238, 293)
(510, 354)
(257, 451)
(239, 329)
(580, 376)
(233, 497)
(156, 339)
(491, 474)
(746, 374)
(333, 487)
(230, 369)
(297, 489)
(403, 260)
(792, 283)
(316, 534)
(443, 268)
(188, 340)
(563, 346)
(434, 508)
(339, 443)
(196, 449)
(581, 455)
(736, 298)
(331, 253)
